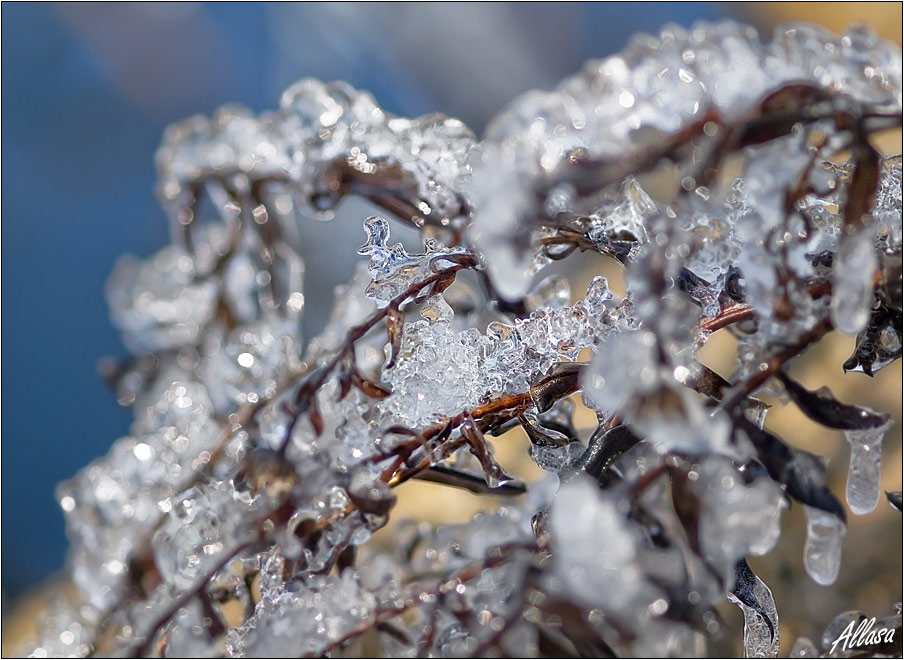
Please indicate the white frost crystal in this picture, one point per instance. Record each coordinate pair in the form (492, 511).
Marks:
(305, 621)
(437, 372)
(440, 371)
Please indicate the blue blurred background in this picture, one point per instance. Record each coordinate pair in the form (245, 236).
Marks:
(87, 90)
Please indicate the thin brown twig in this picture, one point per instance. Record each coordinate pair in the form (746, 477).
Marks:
(346, 352)
(141, 649)
(773, 365)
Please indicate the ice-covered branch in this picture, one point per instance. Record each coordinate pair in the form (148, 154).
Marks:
(237, 515)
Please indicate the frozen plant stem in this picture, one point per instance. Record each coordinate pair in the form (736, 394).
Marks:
(237, 515)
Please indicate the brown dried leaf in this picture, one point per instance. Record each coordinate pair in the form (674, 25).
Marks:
(395, 321)
(493, 473)
(316, 417)
(561, 383)
(369, 387)
(345, 379)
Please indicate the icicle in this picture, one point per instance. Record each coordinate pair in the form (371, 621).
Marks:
(760, 615)
(822, 551)
(866, 463)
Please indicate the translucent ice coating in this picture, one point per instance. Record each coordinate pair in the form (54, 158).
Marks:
(863, 486)
(250, 474)
(852, 280)
(392, 269)
(441, 371)
(598, 551)
(758, 641)
(656, 85)
(822, 551)
(761, 631)
(737, 519)
(317, 125)
(204, 525)
(306, 620)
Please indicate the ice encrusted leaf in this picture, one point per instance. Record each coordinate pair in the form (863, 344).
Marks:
(802, 473)
(551, 449)
(864, 430)
(822, 407)
(879, 344)
(603, 449)
(761, 632)
(494, 473)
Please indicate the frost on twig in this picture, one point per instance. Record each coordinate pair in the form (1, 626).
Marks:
(236, 518)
